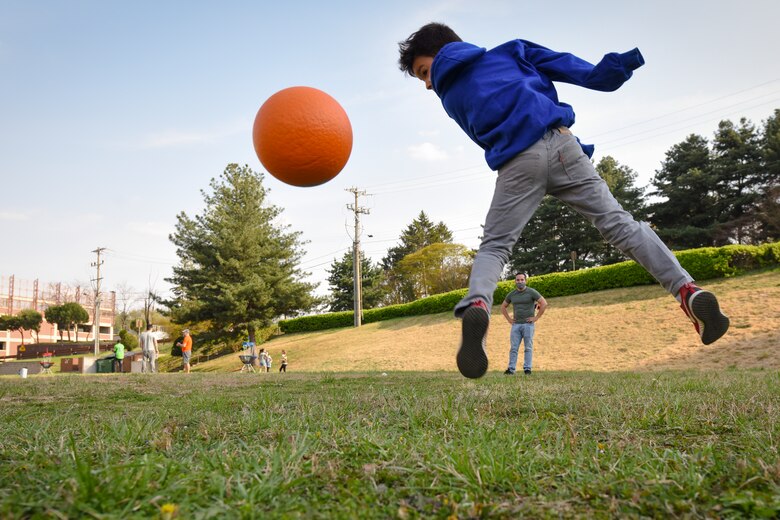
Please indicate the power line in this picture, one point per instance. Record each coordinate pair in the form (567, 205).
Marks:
(684, 109)
(718, 111)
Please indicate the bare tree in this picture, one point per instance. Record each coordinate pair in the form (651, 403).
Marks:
(126, 297)
(150, 299)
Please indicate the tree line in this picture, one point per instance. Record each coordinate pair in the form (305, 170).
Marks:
(239, 269)
(67, 317)
(706, 193)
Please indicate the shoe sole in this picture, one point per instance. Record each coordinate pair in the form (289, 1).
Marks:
(472, 359)
(712, 322)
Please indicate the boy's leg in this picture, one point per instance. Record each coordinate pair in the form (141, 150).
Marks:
(520, 186)
(519, 190)
(575, 181)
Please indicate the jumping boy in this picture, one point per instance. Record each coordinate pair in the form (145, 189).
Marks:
(504, 99)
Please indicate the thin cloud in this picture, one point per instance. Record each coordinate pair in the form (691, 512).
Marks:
(428, 152)
(180, 138)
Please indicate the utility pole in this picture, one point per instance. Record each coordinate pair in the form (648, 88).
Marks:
(96, 319)
(358, 282)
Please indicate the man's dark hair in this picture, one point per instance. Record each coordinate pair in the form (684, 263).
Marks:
(427, 41)
(524, 274)
(148, 326)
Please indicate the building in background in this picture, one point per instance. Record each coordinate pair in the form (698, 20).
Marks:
(18, 295)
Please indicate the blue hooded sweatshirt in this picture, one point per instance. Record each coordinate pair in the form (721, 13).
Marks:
(504, 98)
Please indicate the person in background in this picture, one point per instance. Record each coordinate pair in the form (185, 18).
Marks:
(283, 366)
(119, 356)
(186, 350)
(150, 350)
(527, 307)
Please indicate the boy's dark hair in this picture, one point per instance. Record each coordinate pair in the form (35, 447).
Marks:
(427, 41)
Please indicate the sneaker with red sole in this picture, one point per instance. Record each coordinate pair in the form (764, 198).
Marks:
(703, 310)
(472, 358)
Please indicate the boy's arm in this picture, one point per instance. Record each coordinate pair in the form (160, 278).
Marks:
(609, 74)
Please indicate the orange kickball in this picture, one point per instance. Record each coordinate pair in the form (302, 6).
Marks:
(302, 136)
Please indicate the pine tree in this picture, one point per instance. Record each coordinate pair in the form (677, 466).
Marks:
(341, 277)
(238, 268)
(768, 214)
(422, 232)
(687, 214)
(556, 230)
(740, 180)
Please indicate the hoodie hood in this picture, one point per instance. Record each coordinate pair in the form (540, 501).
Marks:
(450, 60)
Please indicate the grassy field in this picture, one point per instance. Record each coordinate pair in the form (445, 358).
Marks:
(626, 415)
(633, 329)
(406, 445)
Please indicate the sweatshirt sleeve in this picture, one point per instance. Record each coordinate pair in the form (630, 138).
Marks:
(609, 74)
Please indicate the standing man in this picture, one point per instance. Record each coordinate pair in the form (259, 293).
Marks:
(186, 349)
(119, 356)
(149, 347)
(524, 302)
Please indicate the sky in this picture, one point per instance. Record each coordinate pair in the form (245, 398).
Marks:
(115, 115)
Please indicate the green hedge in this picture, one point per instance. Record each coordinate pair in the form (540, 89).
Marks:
(703, 264)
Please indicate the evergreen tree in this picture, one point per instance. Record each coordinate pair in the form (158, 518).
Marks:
(622, 183)
(687, 215)
(422, 232)
(342, 288)
(740, 181)
(237, 269)
(550, 236)
(556, 230)
(769, 207)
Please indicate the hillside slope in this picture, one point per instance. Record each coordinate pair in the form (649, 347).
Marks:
(639, 328)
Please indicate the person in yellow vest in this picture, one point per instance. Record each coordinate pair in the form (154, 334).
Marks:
(119, 356)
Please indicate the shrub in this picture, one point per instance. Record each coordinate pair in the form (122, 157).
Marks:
(703, 264)
(128, 339)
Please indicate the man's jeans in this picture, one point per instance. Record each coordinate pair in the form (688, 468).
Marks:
(556, 165)
(149, 363)
(525, 332)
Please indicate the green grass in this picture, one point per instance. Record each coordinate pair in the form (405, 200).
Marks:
(405, 445)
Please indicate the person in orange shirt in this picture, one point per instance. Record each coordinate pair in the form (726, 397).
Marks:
(186, 349)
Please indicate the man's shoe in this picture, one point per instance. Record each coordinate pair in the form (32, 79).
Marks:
(703, 310)
(527, 372)
(472, 358)
(508, 372)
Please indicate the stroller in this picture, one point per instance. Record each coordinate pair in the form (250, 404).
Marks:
(248, 360)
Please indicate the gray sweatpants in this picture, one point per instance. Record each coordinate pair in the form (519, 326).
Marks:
(556, 165)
